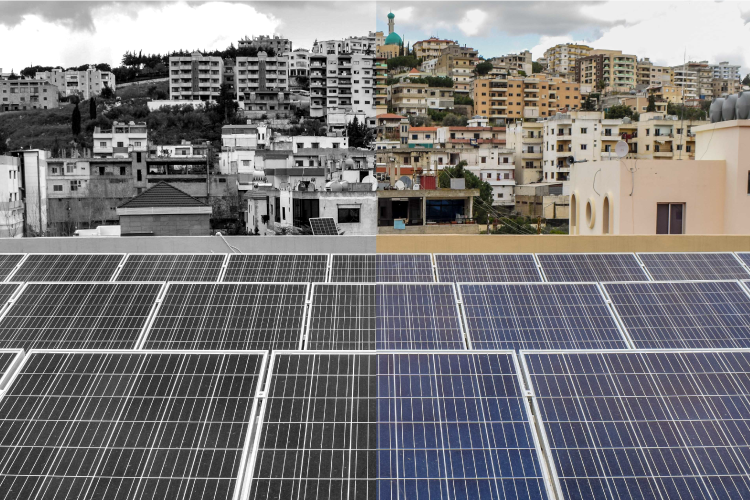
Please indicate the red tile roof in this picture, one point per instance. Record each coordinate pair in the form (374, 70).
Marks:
(423, 129)
(476, 129)
(389, 116)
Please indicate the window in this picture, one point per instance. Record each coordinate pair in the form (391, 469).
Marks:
(102, 144)
(73, 186)
(69, 168)
(54, 170)
(584, 146)
(122, 170)
(670, 218)
(484, 159)
(138, 157)
(584, 130)
(57, 187)
(139, 175)
(348, 215)
(102, 170)
(120, 144)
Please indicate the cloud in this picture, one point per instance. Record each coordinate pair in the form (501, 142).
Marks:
(472, 22)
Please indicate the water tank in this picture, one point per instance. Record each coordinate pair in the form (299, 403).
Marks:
(334, 186)
(714, 112)
(743, 106)
(728, 108)
(348, 164)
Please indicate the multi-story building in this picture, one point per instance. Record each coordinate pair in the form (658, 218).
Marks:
(723, 87)
(431, 48)
(496, 167)
(458, 63)
(280, 45)
(195, 77)
(526, 140)
(229, 76)
(121, 140)
(686, 79)
(83, 84)
(11, 205)
(704, 79)
(664, 137)
(32, 169)
(725, 71)
(349, 45)
(561, 59)
(342, 83)
(299, 67)
(439, 98)
(409, 98)
(263, 86)
(650, 74)
(381, 87)
(666, 93)
(20, 95)
(513, 62)
(611, 68)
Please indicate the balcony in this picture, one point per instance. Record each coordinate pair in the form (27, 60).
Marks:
(663, 154)
(531, 156)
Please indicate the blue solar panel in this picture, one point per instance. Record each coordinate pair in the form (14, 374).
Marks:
(690, 315)
(693, 266)
(646, 425)
(539, 316)
(417, 316)
(498, 267)
(565, 267)
(416, 268)
(455, 426)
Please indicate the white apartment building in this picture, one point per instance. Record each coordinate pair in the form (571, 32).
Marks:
(299, 66)
(561, 59)
(121, 140)
(342, 82)
(725, 71)
(279, 44)
(350, 45)
(525, 140)
(518, 62)
(11, 206)
(496, 167)
(687, 80)
(84, 84)
(32, 165)
(195, 77)
(263, 85)
(238, 146)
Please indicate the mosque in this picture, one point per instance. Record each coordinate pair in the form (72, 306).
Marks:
(392, 44)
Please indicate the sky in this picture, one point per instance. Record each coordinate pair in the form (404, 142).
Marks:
(76, 33)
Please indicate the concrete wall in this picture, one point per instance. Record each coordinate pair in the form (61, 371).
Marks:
(434, 229)
(167, 225)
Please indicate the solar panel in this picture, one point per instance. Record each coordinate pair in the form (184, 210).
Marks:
(350, 268)
(9, 360)
(318, 433)
(693, 266)
(171, 267)
(229, 316)
(119, 424)
(78, 315)
(342, 316)
(325, 226)
(404, 267)
(648, 424)
(8, 262)
(567, 267)
(705, 315)
(499, 267)
(280, 268)
(417, 316)
(539, 316)
(6, 292)
(455, 425)
(68, 267)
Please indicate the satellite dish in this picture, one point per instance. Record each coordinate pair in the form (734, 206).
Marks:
(371, 180)
(406, 180)
(622, 149)
(400, 185)
(570, 160)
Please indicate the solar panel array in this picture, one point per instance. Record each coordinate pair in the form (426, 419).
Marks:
(539, 316)
(171, 267)
(342, 317)
(693, 266)
(404, 268)
(8, 262)
(8, 360)
(471, 268)
(324, 226)
(277, 268)
(350, 268)
(569, 267)
(67, 267)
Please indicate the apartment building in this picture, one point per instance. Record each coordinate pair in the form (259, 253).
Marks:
(195, 77)
(496, 167)
(650, 74)
(704, 79)
(409, 98)
(726, 71)
(431, 48)
(349, 45)
(513, 63)
(439, 98)
(342, 83)
(526, 139)
(20, 95)
(263, 86)
(665, 93)
(11, 205)
(32, 169)
(121, 140)
(299, 67)
(561, 59)
(662, 136)
(616, 70)
(380, 71)
(279, 44)
(83, 84)
(686, 79)
(458, 63)
(724, 87)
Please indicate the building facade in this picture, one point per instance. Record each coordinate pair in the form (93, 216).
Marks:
(611, 68)
(21, 95)
(431, 48)
(561, 59)
(279, 44)
(263, 86)
(195, 77)
(83, 84)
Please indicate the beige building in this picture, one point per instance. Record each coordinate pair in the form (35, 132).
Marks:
(561, 59)
(617, 71)
(661, 137)
(723, 87)
(513, 63)
(650, 74)
(666, 93)
(458, 63)
(409, 98)
(686, 79)
(20, 95)
(84, 84)
(195, 77)
(431, 48)
(381, 87)
(526, 140)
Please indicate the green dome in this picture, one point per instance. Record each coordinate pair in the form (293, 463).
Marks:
(391, 15)
(393, 39)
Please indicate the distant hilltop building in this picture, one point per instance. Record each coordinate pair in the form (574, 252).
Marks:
(280, 45)
(392, 44)
(84, 84)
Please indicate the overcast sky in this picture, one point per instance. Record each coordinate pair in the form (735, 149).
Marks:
(75, 33)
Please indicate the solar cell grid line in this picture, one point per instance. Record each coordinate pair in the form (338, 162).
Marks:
(8, 292)
(348, 268)
(417, 316)
(341, 317)
(78, 315)
(67, 267)
(499, 267)
(538, 316)
(323, 226)
(8, 263)
(91, 424)
(317, 428)
(587, 267)
(234, 316)
(456, 425)
(9, 361)
(277, 268)
(171, 267)
(687, 266)
(683, 314)
(404, 267)
(643, 423)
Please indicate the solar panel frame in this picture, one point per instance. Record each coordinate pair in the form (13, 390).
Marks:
(416, 257)
(252, 428)
(605, 299)
(5, 305)
(440, 279)
(546, 278)
(736, 259)
(324, 227)
(348, 276)
(310, 310)
(117, 277)
(239, 279)
(16, 276)
(6, 270)
(7, 372)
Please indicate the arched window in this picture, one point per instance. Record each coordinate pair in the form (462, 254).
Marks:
(573, 214)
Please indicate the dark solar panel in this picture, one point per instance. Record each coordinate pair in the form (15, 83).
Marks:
(319, 430)
(8, 262)
(472, 268)
(653, 424)
(78, 315)
(417, 316)
(229, 316)
(693, 266)
(277, 268)
(68, 267)
(455, 426)
(539, 316)
(6, 292)
(342, 316)
(9, 359)
(568, 267)
(325, 226)
(172, 267)
(698, 315)
(105, 425)
(349, 268)
(404, 268)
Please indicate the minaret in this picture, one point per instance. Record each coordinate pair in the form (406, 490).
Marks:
(390, 22)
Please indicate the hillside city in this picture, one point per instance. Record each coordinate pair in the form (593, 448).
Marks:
(381, 135)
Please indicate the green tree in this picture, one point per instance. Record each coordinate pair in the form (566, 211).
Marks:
(402, 62)
(621, 111)
(746, 80)
(483, 202)
(588, 104)
(600, 85)
(75, 121)
(92, 108)
(420, 121)
(359, 134)
(483, 68)
(460, 99)
(686, 112)
(226, 107)
(453, 120)
(304, 82)
(521, 72)
(536, 67)
(651, 104)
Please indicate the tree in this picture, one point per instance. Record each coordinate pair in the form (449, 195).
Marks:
(651, 104)
(107, 93)
(600, 85)
(621, 111)
(303, 81)
(483, 202)
(521, 72)
(359, 134)
(402, 62)
(686, 112)
(536, 67)
(420, 121)
(483, 68)
(453, 120)
(75, 121)
(459, 99)
(746, 80)
(92, 108)
(588, 104)
(12, 76)
(226, 107)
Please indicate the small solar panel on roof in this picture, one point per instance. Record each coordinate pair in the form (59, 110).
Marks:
(8, 262)
(325, 226)
(348, 268)
(341, 317)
